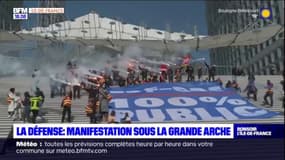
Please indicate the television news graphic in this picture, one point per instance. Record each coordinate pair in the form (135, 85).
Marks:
(20, 13)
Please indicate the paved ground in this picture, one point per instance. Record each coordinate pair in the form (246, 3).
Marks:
(53, 110)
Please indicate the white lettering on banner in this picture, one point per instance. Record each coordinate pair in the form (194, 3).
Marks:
(152, 89)
(215, 88)
(226, 113)
(116, 92)
(181, 114)
(156, 115)
(165, 89)
(149, 102)
(198, 90)
(249, 111)
(182, 101)
(204, 114)
(208, 99)
(134, 91)
(120, 102)
(185, 114)
(222, 101)
(180, 89)
(236, 102)
(152, 109)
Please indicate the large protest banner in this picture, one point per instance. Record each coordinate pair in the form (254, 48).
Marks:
(177, 102)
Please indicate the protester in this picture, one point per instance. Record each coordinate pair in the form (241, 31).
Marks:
(200, 72)
(66, 105)
(11, 102)
(190, 73)
(212, 73)
(104, 98)
(251, 90)
(220, 82)
(76, 87)
(18, 112)
(235, 86)
(268, 93)
(35, 106)
(26, 103)
(126, 118)
(228, 84)
(62, 90)
(112, 117)
(178, 76)
(170, 75)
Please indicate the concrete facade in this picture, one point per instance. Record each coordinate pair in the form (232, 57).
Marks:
(260, 59)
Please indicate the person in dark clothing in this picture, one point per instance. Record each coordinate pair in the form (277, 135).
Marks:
(251, 90)
(92, 92)
(62, 90)
(52, 87)
(228, 84)
(200, 72)
(69, 65)
(190, 73)
(155, 79)
(212, 73)
(170, 75)
(62, 86)
(91, 110)
(122, 81)
(108, 82)
(26, 103)
(144, 74)
(116, 76)
(76, 91)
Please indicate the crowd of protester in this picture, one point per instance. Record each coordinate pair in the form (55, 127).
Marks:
(97, 107)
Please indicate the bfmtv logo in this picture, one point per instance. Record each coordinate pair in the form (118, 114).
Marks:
(20, 10)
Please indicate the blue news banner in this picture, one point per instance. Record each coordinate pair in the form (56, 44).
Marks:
(145, 141)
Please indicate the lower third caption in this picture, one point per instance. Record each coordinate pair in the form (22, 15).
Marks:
(66, 147)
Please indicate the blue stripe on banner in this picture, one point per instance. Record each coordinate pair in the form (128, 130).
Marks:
(258, 130)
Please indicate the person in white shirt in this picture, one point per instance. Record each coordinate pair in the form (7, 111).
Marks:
(76, 87)
(11, 102)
